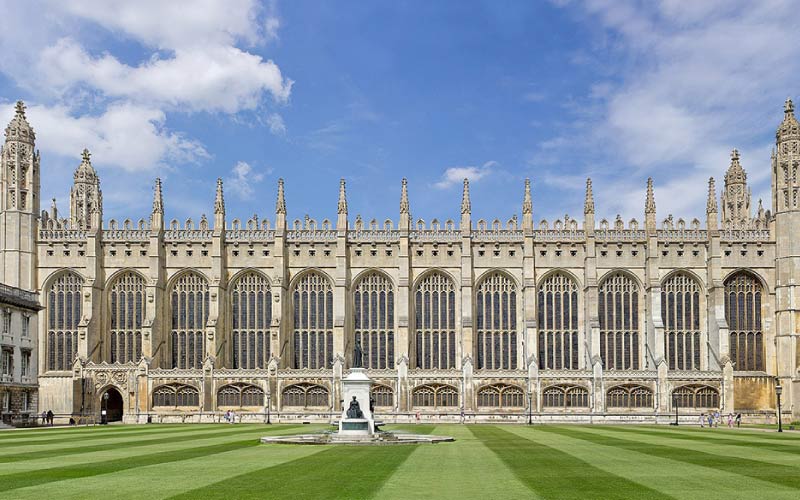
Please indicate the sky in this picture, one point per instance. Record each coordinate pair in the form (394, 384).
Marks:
(374, 91)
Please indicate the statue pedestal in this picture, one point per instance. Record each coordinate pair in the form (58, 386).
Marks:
(356, 385)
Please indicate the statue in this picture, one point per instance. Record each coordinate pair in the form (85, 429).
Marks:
(358, 355)
(355, 410)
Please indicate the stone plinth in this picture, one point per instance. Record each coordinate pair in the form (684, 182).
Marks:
(356, 384)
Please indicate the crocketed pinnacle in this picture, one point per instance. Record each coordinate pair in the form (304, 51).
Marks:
(342, 208)
(404, 206)
(711, 202)
(789, 129)
(466, 205)
(735, 173)
(18, 128)
(588, 204)
(280, 204)
(650, 202)
(219, 199)
(527, 204)
(85, 171)
(158, 198)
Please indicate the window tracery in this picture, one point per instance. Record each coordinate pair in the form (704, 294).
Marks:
(435, 322)
(558, 323)
(680, 312)
(313, 322)
(373, 310)
(63, 316)
(618, 310)
(496, 321)
(190, 305)
(251, 307)
(743, 295)
(127, 304)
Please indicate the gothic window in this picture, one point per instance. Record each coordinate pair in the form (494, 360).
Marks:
(496, 318)
(313, 322)
(743, 296)
(501, 396)
(305, 395)
(63, 316)
(383, 396)
(435, 322)
(251, 302)
(564, 396)
(680, 312)
(695, 396)
(618, 310)
(127, 304)
(175, 395)
(558, 323)
(373, 308)
(629, 396)
(240, 395)
(435, 395)
(189, 301)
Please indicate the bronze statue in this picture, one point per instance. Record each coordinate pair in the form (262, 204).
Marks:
(355, 409)
(358, 355)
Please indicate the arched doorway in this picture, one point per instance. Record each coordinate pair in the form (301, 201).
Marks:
(113, 404)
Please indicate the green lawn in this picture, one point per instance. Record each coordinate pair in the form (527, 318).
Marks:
(485, 462)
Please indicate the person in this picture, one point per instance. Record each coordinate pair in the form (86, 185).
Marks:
(50, 417)
(417, 417)
(702, 420)
(730, 420)
(44, 417)
(717, 418)
(462, 416)
(738, 420)
(710, 419)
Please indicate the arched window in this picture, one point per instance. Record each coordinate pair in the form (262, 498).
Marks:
(435, 322)
(501, 396)
(435, 395)
(743, 295)
(618, 309)
(240, 395)
(383, 395)
(565, 397)
(558, 323)
(695, 396)
(175, 395)
(305, 395)
(313, 322)
(63, 316)
(127, 304)
(373, 309)
(680, 312)
(629, 396)
(251, 302)
(496, 319)
(189, 316)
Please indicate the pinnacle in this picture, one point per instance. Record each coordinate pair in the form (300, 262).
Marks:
(466, 205)
(527, 203)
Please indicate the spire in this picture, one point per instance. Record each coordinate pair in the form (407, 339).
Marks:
(53, 209)
(280, 204)
(219, 199)
(342, 208)
(735, 173)
(588, 204)
(788, 129)
(761, 214)
(85, 171)
(466, 205)
(788, 106)
(650, 202)
(18, 128)
(711, 202)
(404, 206)
(527, 204)
(85, 196)
(158, 198)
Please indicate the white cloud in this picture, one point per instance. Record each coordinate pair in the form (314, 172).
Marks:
(456, 175)
(242, 179)
(694, 80)
(276, 124)
(126, 136)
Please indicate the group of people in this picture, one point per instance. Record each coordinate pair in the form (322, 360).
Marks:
(230, 417)
(714, 418)
(47, 417)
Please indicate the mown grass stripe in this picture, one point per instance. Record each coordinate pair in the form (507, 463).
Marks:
(774, 473)
(49, 432)
(337, 471)
(117, 445)
(708, 438)
(463, 470)
(41, 476)
(552, 473)
(86, 438)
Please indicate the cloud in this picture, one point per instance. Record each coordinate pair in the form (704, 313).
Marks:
(691, 81)
(242, 179)
(276, 124)
(126, 136)
(214, 78)
(456, 175)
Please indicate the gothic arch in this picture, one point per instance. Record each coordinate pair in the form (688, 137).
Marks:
(308, 270)
(48, 281)
(181, 272)
(433, 270)
(435, 395)
(247, 270)
(175, 395)
(304, 395)
(745, 301)
(435, 313)
(240, 395)
(626, 272)
(629, 396)
(250, 317)
(311, 293)
(620, 311)
(496, 307)
(373, 299)
(188, 305)
(569, 274)
(486, 274)
(376, 270)
(63, 299)
(688, 272)
(119, 272)
(751, 272)
(683, 312)
(559, 305)
(126, 307)
(501, 395)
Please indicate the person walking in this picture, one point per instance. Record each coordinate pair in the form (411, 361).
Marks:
(50, 417)
(730, 420)
(738, 420)
(717, 418)
(44, 417)
(702, 420)
(710, 420)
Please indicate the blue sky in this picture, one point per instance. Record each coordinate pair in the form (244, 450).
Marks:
(312, 91)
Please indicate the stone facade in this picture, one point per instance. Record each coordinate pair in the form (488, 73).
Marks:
(19, 357)
(483, 320)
